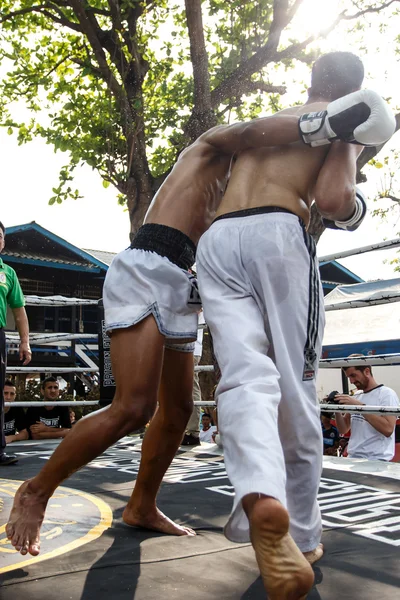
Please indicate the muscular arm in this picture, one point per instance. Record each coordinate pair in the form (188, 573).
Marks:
(51, 433)
(269, 131)
(21, 435)
(21, 321)
(334, 191)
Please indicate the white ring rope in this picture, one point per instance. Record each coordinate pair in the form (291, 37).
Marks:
(50, 369)
(372, 410)
(54, 403)
(362, 250)
(361, 303)
(376, 359)
(325, 363)
(356, 408)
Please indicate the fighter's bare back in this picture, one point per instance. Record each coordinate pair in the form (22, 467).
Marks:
(189, 198)
(282, 176)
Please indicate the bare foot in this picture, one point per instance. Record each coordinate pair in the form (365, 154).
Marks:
(286, 574)
(313, 555)
(156, 521)
(25, 520)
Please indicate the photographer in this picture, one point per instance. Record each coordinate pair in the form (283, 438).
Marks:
(372, 436)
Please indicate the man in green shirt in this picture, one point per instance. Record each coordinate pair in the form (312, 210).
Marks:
(10, 295)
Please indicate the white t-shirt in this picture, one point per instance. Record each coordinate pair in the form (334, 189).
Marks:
(365, 440)
(206, 436)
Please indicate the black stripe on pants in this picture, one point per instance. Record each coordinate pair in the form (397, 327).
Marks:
(3, 359)
(310, 355)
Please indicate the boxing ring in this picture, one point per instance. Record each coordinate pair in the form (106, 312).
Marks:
(88, 552)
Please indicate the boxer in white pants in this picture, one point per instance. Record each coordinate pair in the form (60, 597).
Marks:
(263, 302)
(151, 304)
(151, 309)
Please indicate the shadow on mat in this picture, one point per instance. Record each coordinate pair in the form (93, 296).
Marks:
(115, 574)
(256, 590)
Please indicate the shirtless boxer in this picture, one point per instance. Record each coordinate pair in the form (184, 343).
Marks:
(151, 309)
(263, 302)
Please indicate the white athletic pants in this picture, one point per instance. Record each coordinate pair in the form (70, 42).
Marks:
(263, 302)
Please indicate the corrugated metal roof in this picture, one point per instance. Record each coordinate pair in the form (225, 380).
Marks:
(44, 257)
(105, 257)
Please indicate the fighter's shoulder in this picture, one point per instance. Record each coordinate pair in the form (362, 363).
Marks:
(300, 109)
(201, 145)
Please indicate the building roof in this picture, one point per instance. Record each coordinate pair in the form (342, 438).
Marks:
(333, 274)
(102, 255)
(33, 244)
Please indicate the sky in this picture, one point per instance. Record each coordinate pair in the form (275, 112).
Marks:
(29, 172)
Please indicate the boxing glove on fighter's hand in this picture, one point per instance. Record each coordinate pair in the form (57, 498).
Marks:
(362, 117)
(355, 220)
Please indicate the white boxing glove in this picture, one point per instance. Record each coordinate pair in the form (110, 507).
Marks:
(362, 117)
(355, 220)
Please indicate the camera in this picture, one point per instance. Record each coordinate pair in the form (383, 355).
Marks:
(330, 399)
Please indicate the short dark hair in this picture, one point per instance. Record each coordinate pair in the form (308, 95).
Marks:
(50, 379)
(326, 414)
(358, 367)
(336, 74)
(10, 383)
(206, 415)
(3, 228)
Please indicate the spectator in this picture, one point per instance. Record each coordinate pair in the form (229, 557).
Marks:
(207, 430)
(330, 434)
(15, 427)
(10, 295)
(372, 436)
(72, 416)
(192, 435)
(49, 422)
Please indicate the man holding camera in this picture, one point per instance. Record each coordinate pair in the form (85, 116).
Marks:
(372, 436)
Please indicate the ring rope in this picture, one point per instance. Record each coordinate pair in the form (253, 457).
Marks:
(325, 363)
(373, 410)
(361, 250)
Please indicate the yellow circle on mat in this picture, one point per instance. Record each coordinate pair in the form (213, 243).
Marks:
(67, 524)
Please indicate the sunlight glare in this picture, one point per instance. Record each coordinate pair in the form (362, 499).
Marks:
(314, 16)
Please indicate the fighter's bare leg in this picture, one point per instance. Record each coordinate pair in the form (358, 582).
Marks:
(137, 356)
(286, 573)
(160, 444)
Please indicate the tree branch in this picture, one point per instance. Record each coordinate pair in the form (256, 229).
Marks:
(202, 117)
(232, 84)
(106, 72)
(390, 197)
(369, 9)
(267, 88)
(42, 9)
(199, 57)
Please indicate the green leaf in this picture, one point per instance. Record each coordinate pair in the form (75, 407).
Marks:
(10, 131)
(106, 184)
(378, 165)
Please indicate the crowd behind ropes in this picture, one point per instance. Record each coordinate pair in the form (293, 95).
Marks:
(367, 436)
